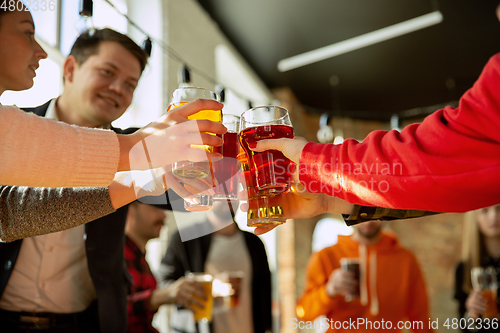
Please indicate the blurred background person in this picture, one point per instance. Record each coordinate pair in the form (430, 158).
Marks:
(144, 222)
(227, 249)
(481, 248)
(390, 285)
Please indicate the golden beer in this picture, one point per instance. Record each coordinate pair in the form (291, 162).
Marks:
(196, 170)
(262, 210)
(203, 314)
(491, 301)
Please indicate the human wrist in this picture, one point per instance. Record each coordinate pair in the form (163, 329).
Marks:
(158, 298)
(330, 290)
(126, 144)
(338, 206)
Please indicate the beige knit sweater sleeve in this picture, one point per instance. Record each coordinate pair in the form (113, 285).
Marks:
(35, 151)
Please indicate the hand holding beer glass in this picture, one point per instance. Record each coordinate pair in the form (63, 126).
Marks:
(196, 170)
(484, 280)
(202, 313)
(345, 280)
(268, 173)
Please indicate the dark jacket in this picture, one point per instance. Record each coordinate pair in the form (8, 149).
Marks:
(191, 256)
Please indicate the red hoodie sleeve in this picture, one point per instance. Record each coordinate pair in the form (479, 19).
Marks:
(448, 163)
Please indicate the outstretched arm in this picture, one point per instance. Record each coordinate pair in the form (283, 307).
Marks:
(452, 154)
(55, 154)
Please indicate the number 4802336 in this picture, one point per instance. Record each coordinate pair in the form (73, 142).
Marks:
(28, 5)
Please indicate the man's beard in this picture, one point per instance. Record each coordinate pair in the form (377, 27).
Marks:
(370, 234)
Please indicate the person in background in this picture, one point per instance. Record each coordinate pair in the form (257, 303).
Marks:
(144, 222)
(390, 286)
(225, 248)
(74, 280)
(53, 211)
(481, 248)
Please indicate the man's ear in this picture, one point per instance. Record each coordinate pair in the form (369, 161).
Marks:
(69, 67)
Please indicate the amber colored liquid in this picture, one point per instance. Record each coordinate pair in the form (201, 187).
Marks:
(235, 297)
(213, 115)
(226, 170)
(205, 313)
(270, 169)
(196, 170)
(262, 210)
(491, 299)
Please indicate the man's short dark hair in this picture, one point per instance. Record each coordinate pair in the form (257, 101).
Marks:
(87, 44)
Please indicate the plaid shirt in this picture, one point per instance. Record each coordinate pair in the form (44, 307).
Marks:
(139, 314)
(364, 214)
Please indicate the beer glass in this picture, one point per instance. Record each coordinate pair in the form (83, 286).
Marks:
(485, 281)
(226, 170)
(195, 170)
(227, 285)
(351, 265)
(203, 314)
(270, 170)
(263, 210)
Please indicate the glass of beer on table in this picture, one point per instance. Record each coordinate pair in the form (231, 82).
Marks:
(202, 314)
(484, 280)
(268, 173)
(196, 170)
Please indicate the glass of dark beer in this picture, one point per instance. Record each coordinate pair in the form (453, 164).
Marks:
(351, 265)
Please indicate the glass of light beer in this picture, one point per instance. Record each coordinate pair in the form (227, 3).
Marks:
(485, 281)
(203, 314)
(270, 170)
(196, 170)
(226, 169)
(351, 265)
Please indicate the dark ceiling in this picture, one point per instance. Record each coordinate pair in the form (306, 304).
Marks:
(427, 67)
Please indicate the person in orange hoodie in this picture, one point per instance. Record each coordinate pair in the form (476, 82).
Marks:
(389, 295)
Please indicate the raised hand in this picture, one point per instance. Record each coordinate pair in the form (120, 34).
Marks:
(170, 137)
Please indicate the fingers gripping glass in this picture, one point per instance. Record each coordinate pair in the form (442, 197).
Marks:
(196, 170)
(267, 174)
(485, 281)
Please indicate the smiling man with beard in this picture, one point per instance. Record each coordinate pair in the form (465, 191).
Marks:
(390, 288)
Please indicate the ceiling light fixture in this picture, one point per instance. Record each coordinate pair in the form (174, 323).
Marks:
(361, 41)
